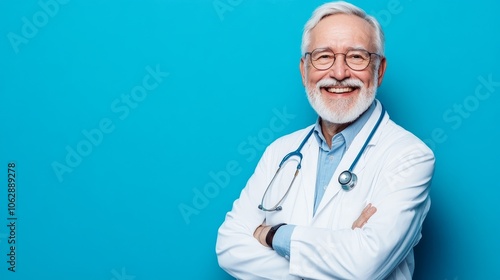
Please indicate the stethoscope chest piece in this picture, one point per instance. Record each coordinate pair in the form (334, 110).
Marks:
(347, 180)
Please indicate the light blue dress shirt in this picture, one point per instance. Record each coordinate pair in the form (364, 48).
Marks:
(328, 160)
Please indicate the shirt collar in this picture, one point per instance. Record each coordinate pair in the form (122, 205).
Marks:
(347, 133)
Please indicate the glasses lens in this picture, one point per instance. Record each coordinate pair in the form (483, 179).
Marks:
(322, 59)
(357, 59)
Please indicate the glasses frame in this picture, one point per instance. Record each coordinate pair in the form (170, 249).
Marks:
(345, 58)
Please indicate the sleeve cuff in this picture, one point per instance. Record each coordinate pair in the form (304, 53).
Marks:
(282, 239)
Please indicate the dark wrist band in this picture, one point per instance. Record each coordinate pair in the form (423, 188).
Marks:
(271, 232)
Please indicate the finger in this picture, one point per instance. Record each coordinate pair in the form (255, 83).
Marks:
(368, 212)
(364, 216)
(357, 224)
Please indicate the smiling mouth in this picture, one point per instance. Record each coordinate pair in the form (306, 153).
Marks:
(340, 90)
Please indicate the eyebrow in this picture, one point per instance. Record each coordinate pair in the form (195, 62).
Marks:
(357, 48)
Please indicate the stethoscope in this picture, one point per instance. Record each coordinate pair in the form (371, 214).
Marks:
(347, 178)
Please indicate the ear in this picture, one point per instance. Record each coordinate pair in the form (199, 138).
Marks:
(381, 70)
(302, 71)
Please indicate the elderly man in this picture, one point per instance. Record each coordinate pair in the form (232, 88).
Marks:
(313, 218)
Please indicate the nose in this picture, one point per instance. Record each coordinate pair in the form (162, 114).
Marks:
(339, 69)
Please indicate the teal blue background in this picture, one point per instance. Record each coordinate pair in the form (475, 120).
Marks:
(116, 214)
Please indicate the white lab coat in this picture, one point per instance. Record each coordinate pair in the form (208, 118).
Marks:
(394, 174)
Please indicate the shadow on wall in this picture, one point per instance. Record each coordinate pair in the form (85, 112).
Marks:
(434, 252)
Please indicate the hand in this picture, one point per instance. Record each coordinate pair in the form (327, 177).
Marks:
(365, 215)
(260, 234)
(261, 231)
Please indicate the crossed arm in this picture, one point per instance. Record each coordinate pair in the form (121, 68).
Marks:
(401, 195)
(262, 231)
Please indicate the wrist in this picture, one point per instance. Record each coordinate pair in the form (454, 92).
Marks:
(271, 233)
(262, 235)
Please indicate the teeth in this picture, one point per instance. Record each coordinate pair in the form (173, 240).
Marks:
(339, 90)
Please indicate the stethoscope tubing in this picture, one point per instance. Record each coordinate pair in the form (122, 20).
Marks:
(348, 185)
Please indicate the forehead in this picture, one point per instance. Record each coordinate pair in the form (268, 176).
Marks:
(341, 32)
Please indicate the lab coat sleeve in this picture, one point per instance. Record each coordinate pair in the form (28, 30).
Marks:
(238, 252)
(401, 195)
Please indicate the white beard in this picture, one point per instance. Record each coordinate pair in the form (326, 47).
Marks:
(343, 110)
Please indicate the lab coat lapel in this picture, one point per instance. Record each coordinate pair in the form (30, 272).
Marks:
(334, 187)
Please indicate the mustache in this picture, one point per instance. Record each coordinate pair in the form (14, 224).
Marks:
(331, 82)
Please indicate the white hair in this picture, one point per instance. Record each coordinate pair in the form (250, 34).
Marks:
(341, 7)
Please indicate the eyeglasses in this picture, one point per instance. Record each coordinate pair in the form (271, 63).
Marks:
(357, 59)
